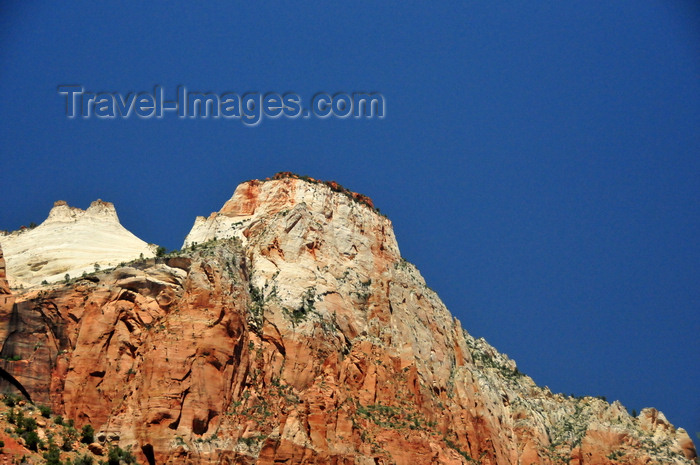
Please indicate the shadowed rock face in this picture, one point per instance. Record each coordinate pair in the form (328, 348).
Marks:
(299, 335)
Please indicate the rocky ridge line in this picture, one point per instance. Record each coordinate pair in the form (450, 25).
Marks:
(294, 332)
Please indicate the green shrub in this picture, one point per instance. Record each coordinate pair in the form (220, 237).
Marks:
(12, 417)
(29, 424)
(45, 410)
(87, 434)
(22, 424)
(117, 455)
(31, 440)
(19, 421)
(10, 400)
(113, 456)
(58, 419)
(83, 460)
(53, 455)
(68, 436)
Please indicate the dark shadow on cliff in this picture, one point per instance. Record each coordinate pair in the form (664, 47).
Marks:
(11, 379)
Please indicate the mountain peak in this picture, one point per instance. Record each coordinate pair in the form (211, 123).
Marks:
(248, 198)
(257, 200)
(290, 330)
(69, 242)
(98, 210)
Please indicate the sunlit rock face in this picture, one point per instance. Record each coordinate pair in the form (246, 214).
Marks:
(70, 241)
(294, 332)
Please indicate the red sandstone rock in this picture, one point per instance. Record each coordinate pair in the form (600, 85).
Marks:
(303, 338)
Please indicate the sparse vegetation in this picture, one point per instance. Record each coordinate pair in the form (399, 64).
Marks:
(257, 307)
(306, 306)
(388, 416)
(83, 460)
(118, 456)
(31, 440)
(482, 357)
(53, 455)
(454, 446)
(10, 399)
(252, 441)
(25, 428)
(69, 436)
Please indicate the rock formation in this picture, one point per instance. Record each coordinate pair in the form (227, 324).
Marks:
(290, 330)
(70, 241)
(7, 300)
(4, 285)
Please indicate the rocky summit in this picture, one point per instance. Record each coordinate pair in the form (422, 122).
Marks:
(289, 330)
(70, 242)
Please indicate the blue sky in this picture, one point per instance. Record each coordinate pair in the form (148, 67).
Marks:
(539, 160)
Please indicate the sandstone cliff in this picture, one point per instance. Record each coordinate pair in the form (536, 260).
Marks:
(4, 285)
(7, 300)
(294, 332)
(70, 241)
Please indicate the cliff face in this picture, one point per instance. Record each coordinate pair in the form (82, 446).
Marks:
(4, 285)
(299, 335)
(70, 241)
(7, 300)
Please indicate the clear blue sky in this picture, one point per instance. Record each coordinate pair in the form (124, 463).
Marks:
(540, 160)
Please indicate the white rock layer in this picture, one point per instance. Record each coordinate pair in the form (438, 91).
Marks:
(70, 241)
(255, 201)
